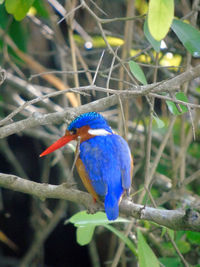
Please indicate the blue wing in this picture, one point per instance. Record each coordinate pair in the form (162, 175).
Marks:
(107, 161)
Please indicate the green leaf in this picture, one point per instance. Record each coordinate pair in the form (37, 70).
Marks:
(159, 122)
(179, 235)
(41, 9)
(146, 255)
(172, 107)
(21, 38)
(125, 239)
(181, 96)
(172, 262)
(4, 17)
(83, 218)
(183, 246)
(86, 224)
(1, 1)
(137, 72)
(18, 8)
(84, 234)
(188, 35)
(193, 237)
(169, 248)
(155, 44)
(160, 16)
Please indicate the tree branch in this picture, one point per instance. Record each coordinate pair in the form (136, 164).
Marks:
(174, 219)
(98, 105)
(38, 119)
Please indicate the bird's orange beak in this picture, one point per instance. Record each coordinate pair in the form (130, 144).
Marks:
(58, 144)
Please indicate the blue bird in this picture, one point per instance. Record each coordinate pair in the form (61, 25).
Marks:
(104, 164)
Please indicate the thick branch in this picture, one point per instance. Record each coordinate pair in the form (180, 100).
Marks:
(174, 219)
(57, 117)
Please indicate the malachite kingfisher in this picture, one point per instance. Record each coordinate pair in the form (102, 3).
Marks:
(104, 162)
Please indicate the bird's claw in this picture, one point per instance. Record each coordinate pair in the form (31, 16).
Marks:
(127, 191)
(93, 208)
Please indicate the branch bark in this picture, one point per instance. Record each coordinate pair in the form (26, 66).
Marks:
(174, 219)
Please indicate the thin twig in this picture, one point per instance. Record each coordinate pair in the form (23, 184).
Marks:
(75, 159)
(123, 117)
(111, 69)
(98, 66)
(192, 122)
(71, 12)
(97, 7)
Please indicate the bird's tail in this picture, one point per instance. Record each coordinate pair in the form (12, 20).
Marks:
(111, 206)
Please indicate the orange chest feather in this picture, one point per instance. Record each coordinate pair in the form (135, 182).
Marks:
(85, 179)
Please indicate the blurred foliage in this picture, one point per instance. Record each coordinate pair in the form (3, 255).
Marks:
(21, 37)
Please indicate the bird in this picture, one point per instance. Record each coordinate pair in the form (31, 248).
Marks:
(104, 162)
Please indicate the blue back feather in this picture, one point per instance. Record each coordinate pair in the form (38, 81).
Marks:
(108, 163)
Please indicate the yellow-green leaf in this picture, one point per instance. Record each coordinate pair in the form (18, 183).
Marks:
(82, 218)
(18, 8)
(160, 16)
(152, 41)
(84, 234)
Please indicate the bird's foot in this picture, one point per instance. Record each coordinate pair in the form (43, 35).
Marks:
(127, 192)
(126, 195)
(94, 207)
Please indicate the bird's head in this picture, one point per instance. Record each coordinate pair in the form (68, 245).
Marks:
(85, 126)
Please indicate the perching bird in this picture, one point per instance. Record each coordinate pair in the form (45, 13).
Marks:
(104, 162)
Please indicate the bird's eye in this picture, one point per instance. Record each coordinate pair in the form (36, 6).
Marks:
(73, 131)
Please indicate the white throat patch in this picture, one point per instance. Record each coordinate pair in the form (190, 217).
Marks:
(98, 132)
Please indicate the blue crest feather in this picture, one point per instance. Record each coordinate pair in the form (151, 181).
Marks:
(92, 119)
